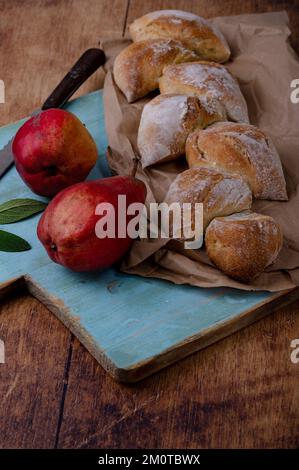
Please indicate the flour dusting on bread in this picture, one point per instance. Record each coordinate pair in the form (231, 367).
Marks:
(138, 67)
(220, 193)
(240, 149)
(209, 81)
(193, 31)
(165, 124)
(243, 245)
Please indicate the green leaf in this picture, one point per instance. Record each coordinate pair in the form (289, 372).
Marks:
(19, 209)
(12, 243)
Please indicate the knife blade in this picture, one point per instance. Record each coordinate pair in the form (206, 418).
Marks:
(6, 158)
(85, 66)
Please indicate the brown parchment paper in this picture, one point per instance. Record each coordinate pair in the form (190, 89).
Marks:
(264, 64)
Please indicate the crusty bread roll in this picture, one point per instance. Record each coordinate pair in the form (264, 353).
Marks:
(193, 31)
(165, 124)
(221, 194)
(209, 81)
(243, 245)
(137, 68)
(240, 149)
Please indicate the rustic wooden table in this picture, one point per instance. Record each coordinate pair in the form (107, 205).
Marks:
(241, 392)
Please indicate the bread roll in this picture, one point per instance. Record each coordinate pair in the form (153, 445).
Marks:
(243, 150)
(220, 193)
(209, 81)
(137, 68)
(165, 124)
(243, 245)
(193, 31)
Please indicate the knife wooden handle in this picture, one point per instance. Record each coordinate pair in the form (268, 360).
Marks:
(88, 63)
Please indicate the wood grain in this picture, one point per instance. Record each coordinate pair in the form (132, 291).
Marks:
(42, 39)
(240, 392)
(31, 385)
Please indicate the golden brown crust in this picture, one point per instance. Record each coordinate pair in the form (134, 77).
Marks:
(194, 32)
(220, 193)
(243, 245)
(240, 149)
(211, 82)
(165, 124)
(138, 67)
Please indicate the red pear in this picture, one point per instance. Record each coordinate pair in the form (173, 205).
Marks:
(69, 228)
(52, 151)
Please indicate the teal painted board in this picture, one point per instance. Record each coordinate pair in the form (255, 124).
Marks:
(125, 321)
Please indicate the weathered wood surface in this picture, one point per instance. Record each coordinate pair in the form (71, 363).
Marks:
(41, 39)
(241, 392)
(32, 378)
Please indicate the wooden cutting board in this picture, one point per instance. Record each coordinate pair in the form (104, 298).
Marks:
(133, 326)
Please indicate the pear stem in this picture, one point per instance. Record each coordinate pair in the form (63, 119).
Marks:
(109, 152)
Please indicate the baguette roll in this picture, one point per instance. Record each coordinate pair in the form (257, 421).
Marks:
(221, 194)
(243, 245)
(194, 32)
(165, 124)
(211, 82)
(243, 150)
(138, 67)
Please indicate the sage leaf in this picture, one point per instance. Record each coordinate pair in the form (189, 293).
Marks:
(19, 209)
(12, 243)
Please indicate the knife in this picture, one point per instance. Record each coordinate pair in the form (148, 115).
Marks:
(85, 66)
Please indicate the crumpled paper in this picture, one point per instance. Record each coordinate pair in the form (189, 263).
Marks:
(264, 64)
